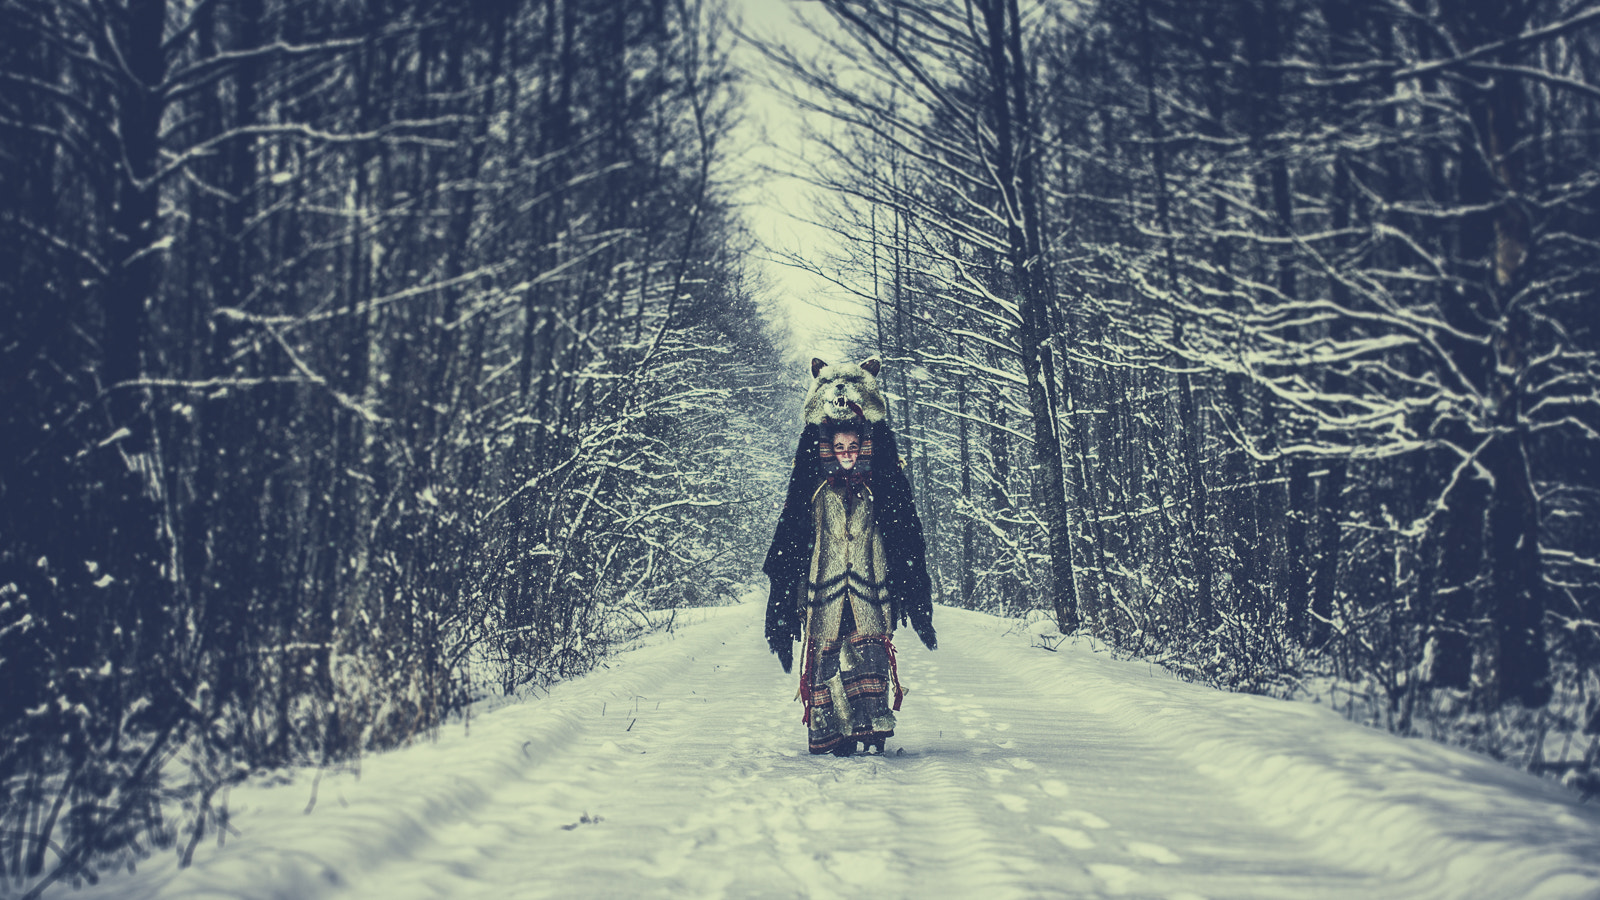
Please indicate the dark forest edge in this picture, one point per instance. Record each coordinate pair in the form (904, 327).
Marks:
(358, 358)
(1255, 337)
(355, 356)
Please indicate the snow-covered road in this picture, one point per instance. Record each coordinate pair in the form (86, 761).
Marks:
(680, 771)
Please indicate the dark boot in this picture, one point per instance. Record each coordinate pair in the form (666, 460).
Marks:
(845, 748)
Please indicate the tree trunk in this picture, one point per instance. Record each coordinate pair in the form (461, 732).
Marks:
(1500, 506)
(1015, 180)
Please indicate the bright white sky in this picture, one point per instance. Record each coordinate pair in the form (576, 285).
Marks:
(779, 208)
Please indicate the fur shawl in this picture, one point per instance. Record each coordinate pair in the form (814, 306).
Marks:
(789, 557)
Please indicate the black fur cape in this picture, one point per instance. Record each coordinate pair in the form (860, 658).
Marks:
(789, 557)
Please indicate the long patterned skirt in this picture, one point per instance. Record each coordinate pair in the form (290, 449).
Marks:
(851, 691)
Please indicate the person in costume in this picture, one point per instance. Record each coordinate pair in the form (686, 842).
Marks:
(847, 562)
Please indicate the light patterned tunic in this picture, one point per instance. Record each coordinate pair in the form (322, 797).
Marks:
(848, 563)
(848, 673)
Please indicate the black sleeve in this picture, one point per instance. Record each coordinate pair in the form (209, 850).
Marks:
(783, 626)
(790, 552)
(901, 528)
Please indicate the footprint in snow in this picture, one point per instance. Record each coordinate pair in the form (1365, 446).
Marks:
(1085, 818)
(1071, 838)
(1053, 787)
(1012, 802)
(1117, 879)
(1154, 853)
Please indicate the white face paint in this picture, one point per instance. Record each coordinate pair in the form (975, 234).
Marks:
(846, 449)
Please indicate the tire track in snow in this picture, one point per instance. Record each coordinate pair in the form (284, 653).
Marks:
(1337, 810)
(446, 817)
(731, 804)
(708, 791)
(680, 770)
(1109, 807)
(1005, 789)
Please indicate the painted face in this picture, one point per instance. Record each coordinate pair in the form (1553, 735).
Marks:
(846, 449)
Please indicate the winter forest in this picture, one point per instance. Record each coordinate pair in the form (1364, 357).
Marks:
(364, 358)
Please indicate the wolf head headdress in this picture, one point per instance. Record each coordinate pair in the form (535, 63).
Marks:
(847, 392)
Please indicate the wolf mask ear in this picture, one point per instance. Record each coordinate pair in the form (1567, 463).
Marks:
(817, 365)
(871, 365)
